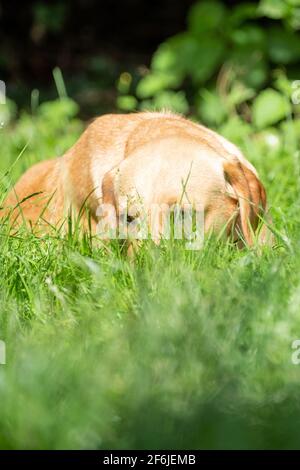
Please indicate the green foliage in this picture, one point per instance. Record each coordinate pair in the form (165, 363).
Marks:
(179, 349)
(283, 46)
(211, 107)
(206, 17)
(270, 107)
(286, 10)
(221, 64)
(154, 83)
(49, 133)
(166, 100)
(7, 112)
(126, 103)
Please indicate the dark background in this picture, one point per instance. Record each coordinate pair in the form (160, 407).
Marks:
(91, 41)
(124, 29)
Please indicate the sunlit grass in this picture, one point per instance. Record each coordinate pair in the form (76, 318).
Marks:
(178, 349)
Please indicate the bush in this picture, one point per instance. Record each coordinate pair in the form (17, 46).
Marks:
(228, 64)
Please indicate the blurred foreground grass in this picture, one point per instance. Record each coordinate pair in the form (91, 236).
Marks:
(178, 350)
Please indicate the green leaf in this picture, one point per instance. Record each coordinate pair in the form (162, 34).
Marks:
(155, 82)
(275, 9)
(127, 103)
(290, 132)
(249, 36)
(270, 140)
(257, 75)
(270, 107)
(147, 105)
(236, 130)
(124, 82)
(250, 66)
(173, 101)
(8, 111)
(211, 107)
(58, 110)
(294, 19)
(165, 59)
(209, 57)
(186, 48)
(283, 46)
(183, 55)
(283, 84)
(206, 16)
(243, 12)
(239, 93)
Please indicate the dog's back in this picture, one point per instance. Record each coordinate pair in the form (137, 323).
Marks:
(80, 176)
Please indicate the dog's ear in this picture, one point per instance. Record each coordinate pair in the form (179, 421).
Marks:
(251, 196)
(107, 210)
(108, 189)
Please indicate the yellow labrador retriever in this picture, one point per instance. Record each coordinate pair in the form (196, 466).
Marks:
(143, 159)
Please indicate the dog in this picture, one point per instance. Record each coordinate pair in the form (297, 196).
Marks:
(143, 159)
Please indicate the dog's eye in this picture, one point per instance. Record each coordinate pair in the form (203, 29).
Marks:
(130, 218)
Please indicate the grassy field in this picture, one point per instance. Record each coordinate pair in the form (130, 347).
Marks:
(179, 349)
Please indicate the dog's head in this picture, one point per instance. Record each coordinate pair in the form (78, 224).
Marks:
(180, 176)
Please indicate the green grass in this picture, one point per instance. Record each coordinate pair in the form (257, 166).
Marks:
(179, 349)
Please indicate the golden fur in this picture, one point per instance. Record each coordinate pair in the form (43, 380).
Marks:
(144, 156)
